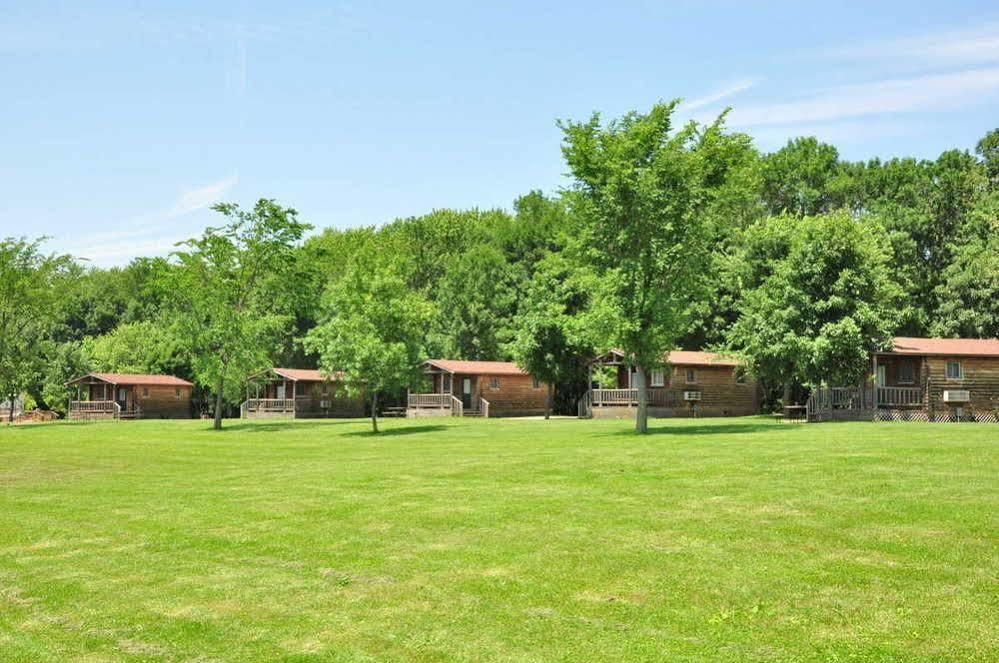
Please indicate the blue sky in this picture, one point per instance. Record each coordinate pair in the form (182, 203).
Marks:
(122, 122)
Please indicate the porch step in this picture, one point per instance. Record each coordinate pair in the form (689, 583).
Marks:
(471, 413)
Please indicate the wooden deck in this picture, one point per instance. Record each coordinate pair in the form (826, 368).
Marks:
(100, 411)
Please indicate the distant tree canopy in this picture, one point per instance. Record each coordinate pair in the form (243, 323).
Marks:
(688, 236)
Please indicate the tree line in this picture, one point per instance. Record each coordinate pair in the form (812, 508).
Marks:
(669, 235)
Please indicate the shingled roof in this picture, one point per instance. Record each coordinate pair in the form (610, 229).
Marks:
(476, 367)
(129, 379)
(966, 347)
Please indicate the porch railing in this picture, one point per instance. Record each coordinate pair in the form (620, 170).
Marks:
(657, 396)
(483, 407)
(267, 406)
(899, 396)
(437, 402)
(93, 410)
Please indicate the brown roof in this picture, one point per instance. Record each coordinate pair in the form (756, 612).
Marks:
(477, 367)
(693, 358)
(968, 347)
(303, 374)
(137, 379)
(697, 358)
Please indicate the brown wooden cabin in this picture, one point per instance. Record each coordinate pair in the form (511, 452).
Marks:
(920, 379)
(302, 393)
(130, 396)
(478, 388)
(690, 384)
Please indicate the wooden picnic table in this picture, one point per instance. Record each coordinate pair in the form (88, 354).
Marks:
(794, 413)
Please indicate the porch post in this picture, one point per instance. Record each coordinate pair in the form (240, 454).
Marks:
(874, 362)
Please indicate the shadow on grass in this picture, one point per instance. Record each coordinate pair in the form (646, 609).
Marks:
(392, 432)
(284, 425)
(711, 429)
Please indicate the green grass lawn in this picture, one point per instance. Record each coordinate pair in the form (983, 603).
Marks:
(451, 540)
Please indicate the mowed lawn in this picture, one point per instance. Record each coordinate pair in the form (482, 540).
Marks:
(471, 540)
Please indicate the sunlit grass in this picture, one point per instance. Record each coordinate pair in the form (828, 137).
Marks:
(730, 540)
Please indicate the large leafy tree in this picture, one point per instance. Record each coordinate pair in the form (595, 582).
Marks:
(374, 331)
(547, 343)
(136, 347)
(640, 190)
(477, 299)
(801, 178)
(968, 294)
(818, 298)
(28, 293)
(224, 286)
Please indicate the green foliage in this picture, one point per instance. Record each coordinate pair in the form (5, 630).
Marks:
(547, 343)
(28, 282)
(223, 288)
(374, 332)
(640, 194)
(818, 297)
(969, 288)
(136, 347)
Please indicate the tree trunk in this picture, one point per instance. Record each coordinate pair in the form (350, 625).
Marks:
(549, 400)
(642, 414)
(374, 411)
(787, 393)
(10, 415)
(219, 385)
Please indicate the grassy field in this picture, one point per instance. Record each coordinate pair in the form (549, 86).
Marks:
(450, 540)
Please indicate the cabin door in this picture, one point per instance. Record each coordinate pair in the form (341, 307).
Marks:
(466, 393)
(122, 399)
(280, 392)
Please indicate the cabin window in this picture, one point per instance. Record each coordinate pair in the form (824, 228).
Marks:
(535, 382)
(905, 372)
(326, 389)
(740, 376)
(494, 383)
(176, 393)
(691, 376)
(658, 377)
(954, 371)
(301, 389)
(145, 392)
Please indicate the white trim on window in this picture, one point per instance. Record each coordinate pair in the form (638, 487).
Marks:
(957, 374)
(691, 376)
(658, 377)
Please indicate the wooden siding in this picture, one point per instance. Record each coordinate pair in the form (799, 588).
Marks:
(722, 395)
(310, 396)
(980, 377)
(514, 395)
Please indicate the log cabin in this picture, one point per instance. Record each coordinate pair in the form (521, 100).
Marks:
(298, 393)
(919, 379)
(477, 388)
(689, 384)
(129, 396)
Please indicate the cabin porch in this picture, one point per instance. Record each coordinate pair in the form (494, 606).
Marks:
(97, 399)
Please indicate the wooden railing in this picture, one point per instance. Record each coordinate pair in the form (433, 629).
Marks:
(268, 406)
(93, 410)
(899, 396)
(484, 408)
(430, 400)
(457, 408)
(658, 396)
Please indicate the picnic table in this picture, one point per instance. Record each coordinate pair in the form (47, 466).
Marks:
(793, 413)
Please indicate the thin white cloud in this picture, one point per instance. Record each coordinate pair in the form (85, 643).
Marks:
(717, 95)
(977, 45)
(203, 196)
(900, 95)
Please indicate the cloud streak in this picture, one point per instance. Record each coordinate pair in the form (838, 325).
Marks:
(950, 47)
(202, 196)
(900, 95)
(717, 95)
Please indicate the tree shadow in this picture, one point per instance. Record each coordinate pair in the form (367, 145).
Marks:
(711, 429)
(393, 432)
(284, 425)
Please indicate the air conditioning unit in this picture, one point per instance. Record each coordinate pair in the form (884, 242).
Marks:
(956, 395)
(691, 395)
(324, 405)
